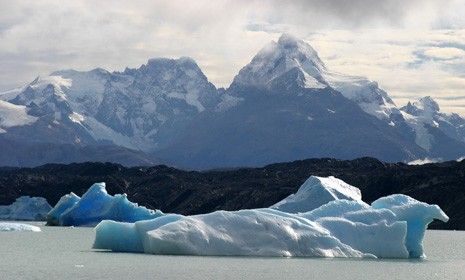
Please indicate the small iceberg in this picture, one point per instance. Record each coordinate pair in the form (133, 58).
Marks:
(97, 205)
(340, 224)
(26, 208)
(18, 227)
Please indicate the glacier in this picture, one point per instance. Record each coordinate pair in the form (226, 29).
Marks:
(337, 226)
(97, 205)
(18, 227)
(26, 208)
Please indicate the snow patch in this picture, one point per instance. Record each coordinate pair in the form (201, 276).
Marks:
(14, 115)
(424, 161)
(76, 118)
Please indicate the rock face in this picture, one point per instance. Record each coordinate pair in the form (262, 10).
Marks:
(175, 191)
(284, 105)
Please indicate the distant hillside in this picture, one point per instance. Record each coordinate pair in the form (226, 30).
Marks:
(191, 192)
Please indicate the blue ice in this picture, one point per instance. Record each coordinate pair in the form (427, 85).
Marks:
(97, 205)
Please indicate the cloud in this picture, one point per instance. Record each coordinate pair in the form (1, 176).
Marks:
(444, 53)
(398, 43)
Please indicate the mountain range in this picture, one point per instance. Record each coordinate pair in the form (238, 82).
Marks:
(284, 105)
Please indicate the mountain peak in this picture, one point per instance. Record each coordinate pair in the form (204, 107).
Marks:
(288, 39)
(278, 58)
(427, 103)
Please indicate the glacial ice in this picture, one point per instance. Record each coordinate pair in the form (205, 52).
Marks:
(416, 214)
(25, 208)
(237, 233)
(97, 205)
(392, 227)
(315, 192)
(18, 227)
(66, 202)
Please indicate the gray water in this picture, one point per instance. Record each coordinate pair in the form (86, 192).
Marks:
(65, 253)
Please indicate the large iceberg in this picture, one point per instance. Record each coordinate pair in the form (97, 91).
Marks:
(237, 233)
(18, 227)
(26, 208)
(97, 205)
(392, 227)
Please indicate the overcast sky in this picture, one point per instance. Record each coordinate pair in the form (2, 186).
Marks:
(412, 48)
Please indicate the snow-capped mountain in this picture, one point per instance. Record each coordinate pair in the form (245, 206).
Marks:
(424, 116)
(291, 55)
(128, 108)
(284, 105)
(286, 108)
(138, 109)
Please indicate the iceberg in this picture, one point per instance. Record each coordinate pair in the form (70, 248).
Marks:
(315, 192)
(341, 226)
(95, 206)
(18, 227)
(237, 233)
(66, 202)
(26, 208)
(418, 215)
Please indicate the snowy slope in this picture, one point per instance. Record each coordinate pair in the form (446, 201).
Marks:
(278, 58)
(13, 115)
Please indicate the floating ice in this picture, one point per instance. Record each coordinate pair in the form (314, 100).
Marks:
(315, 192)
(239, 233)
(418, 216)
(66, 202)
(18, 227)
(392, 227)
(26, 208)
(97, 205)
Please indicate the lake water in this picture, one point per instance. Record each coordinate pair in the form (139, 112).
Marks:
(65, 253)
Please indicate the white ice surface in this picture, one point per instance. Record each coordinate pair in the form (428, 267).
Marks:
(18, 227)
(315, 192)
(392, 227)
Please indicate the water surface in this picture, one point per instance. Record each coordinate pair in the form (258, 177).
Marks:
(65, 253)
